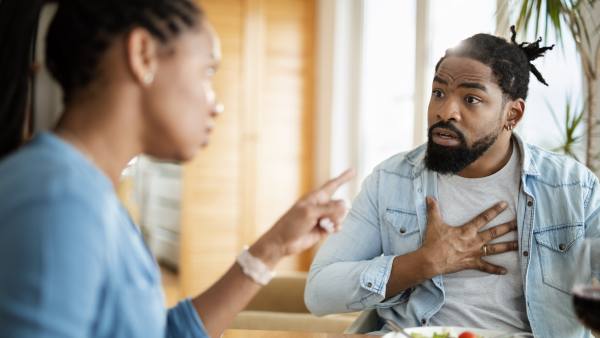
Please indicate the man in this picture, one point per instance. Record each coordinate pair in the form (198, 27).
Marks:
(412, 247)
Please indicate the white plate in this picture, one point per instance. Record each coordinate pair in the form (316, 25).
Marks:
(453, 330)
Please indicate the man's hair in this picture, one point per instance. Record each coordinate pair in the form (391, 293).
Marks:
(510, 61)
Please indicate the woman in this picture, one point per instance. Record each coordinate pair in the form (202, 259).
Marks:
(137, 78)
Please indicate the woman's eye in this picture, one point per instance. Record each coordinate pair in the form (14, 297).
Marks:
(472, 100)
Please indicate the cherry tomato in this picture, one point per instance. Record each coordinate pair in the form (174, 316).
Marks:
(467, 334)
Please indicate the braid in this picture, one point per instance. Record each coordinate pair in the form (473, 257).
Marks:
(83, 29)
(510, 61)
(532, 51)
(18, 28)
(79, 34)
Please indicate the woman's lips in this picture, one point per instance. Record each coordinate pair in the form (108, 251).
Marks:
(210, 126)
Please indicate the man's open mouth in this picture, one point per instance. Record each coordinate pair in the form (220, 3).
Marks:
(445, 137)
(445, 133)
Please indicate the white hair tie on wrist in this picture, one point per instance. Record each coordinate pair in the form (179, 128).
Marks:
(254, 268)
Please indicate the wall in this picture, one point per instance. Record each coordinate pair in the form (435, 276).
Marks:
(260, 159)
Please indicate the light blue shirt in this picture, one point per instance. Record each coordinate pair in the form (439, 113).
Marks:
(72, 264)
(558, 207)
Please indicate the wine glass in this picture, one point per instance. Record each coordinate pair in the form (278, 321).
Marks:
(586, 286)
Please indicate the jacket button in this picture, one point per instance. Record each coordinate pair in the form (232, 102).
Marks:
(529, 203)
(562, 247)
(402, 230)
(525, 253)
(423, 321)
(369, 284)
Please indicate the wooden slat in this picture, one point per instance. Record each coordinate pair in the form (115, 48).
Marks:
(209, 217)
(284, 158)
(260, 157)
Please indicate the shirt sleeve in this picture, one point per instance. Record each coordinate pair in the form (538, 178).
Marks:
(51, 267)
(592, 220)
(350, 272)
(183, 321)
(592, 209)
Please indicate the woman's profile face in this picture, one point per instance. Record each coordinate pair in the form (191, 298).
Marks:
(180, 105)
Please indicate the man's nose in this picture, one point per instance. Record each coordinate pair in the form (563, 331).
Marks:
(450, 110)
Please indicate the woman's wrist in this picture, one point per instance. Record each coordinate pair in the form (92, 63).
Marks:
(255, 268)
(268, 250)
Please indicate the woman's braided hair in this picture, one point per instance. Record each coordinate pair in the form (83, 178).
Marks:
(510, 61)
(82, 30)
(79, 34)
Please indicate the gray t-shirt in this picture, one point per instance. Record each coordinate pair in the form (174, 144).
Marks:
(475, 298)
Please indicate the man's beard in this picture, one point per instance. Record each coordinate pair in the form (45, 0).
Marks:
(451, 160)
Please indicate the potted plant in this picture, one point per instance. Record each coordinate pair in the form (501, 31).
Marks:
(575, 17)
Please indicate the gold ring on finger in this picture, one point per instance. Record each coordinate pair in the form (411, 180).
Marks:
(484, 249)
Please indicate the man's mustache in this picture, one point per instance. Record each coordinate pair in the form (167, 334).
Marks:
(448, 126)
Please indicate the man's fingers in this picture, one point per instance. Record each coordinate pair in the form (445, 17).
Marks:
(433, 210)
(497, 231)
(332, 185)
(490, 268)
(498, 248)
(487, 216)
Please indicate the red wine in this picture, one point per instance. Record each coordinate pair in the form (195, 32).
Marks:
(586, 300)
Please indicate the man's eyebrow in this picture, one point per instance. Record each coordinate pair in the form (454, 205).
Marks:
(473, 85)
(440, 80)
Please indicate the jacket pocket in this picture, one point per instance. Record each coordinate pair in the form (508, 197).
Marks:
(557, 249)
(403, 235)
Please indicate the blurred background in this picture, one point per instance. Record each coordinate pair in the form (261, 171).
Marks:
(311, 87)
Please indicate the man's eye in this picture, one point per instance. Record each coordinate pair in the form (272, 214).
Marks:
(437, 93)
(472, 100)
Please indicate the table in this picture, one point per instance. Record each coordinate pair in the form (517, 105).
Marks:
(285, 334)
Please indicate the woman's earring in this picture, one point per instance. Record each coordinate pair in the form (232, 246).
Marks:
(148, 78)
(219, 109)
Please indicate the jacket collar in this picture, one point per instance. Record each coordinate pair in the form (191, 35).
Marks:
(528, 160)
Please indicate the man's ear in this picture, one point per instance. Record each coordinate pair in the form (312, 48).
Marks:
(142, 56)
(516, 110)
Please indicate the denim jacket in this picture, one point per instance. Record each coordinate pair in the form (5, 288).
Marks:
(558, 207)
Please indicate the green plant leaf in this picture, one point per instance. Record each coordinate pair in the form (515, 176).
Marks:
(554, 116)
(573, 118)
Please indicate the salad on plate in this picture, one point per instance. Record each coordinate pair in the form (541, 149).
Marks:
(445, 332)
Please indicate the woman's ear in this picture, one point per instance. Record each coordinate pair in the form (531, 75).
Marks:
(142, 56)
